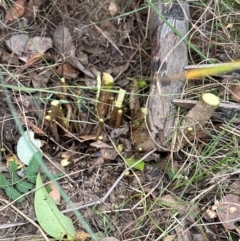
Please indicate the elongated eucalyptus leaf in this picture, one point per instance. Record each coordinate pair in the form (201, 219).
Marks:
(52, 221)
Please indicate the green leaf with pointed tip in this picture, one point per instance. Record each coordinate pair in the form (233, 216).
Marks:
(140, 166)
(52, 221)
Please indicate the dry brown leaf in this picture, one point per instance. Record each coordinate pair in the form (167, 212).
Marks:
(96, 163)
(109, 154)
(235, 187)
(172, 202)
(127, 26)
(63, 42)
(81, 236)
(113, 9)
(9, 59)
(34, 59)
(40, 80)
(88, 137)
(17, 43)
(100, 145)
(116, 132)
(29, 50)
(236, 93)
(54, 193)
(110, 239)
(183, 232)
(228, 211)
(78, 65)
(67, 71)
(170, 237)
(37, 45)
(16, 11)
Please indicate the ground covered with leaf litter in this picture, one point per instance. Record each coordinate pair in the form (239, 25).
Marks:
(65, 66)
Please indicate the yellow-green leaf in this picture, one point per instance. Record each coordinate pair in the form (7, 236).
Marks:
(140, 166)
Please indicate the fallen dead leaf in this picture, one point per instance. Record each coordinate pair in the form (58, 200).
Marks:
(110, 239)
(116, 132)
(67, 71)
(37, 45)
(170, 237)
(183, 232)
(54, 193)
(127, 26)
(236, 93)
(81, 236)
(172, 202)
(228, 211)
(88, 137)
(113, 9)
(9, 59)
(63, 42)
(109, 154)
(96, 163)
(100, 145)
(17, 43)
(34, 59)
(40, 80)
(16, 11)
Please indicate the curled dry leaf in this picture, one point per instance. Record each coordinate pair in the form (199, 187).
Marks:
(88, 137)
(100, 145)
(16, 11)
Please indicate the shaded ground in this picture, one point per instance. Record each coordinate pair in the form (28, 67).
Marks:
(138, 207)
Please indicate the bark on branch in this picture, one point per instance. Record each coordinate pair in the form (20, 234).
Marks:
(169, 56)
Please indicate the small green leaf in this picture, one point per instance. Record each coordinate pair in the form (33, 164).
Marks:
(10, 191)
(33, 167)
(140, 166)
(142, 83)
(53, 222)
